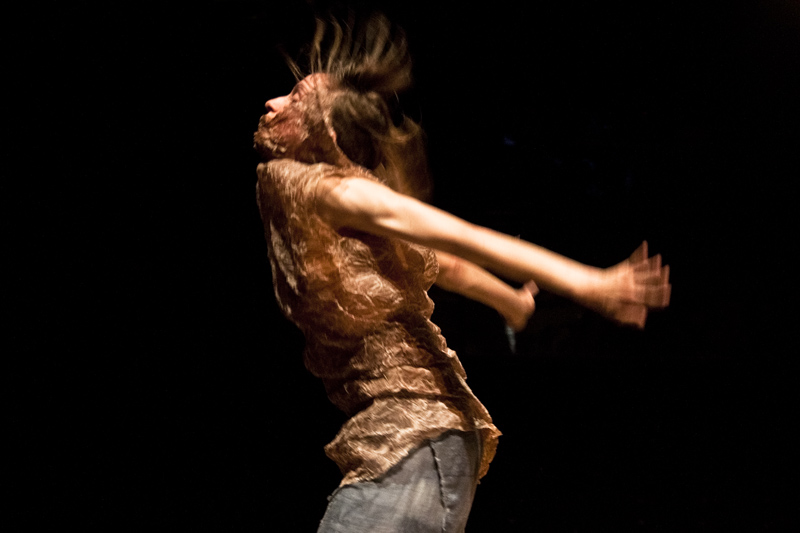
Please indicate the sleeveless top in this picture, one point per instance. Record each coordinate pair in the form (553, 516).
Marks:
(361, 302)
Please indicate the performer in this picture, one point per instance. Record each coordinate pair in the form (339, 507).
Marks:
(353, 252)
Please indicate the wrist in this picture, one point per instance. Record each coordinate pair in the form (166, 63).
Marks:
(586, 284)
(520, 307)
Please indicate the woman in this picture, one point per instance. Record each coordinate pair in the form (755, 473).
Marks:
(353, 252)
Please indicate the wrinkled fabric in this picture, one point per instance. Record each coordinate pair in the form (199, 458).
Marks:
(361, 301)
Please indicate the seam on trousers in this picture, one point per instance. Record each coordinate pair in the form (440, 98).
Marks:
(441, 486)
(328, 508)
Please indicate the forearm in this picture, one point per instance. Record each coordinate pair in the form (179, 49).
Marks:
(466, 278)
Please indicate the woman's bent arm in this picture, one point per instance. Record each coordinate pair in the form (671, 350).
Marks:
(468, 279)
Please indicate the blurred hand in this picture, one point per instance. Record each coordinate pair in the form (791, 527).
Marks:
(626, 292)
(518, 318)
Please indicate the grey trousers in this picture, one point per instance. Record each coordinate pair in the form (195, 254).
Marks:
(430, 491)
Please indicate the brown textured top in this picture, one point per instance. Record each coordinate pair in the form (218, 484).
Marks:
(362, 303)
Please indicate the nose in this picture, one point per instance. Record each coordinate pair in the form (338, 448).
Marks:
(276, 104)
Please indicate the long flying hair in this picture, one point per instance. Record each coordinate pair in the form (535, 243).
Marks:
(368, 64)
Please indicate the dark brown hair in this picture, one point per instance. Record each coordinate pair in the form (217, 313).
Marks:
(368, 65)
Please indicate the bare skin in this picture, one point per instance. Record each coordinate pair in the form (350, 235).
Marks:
(624, 293)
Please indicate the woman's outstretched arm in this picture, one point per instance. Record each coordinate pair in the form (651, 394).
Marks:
(623, 293)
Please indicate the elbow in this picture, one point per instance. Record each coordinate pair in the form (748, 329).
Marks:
(453, 272)
(446, 266)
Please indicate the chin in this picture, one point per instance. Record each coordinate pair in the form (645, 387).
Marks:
(267, 148)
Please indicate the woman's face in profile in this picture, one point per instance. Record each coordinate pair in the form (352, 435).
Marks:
(284, 128)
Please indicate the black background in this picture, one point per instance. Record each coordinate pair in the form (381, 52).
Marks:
(155, 384)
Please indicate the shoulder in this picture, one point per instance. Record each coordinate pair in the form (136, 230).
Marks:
(282, 169)
(292, 186)
(289, 171)
(288, 175)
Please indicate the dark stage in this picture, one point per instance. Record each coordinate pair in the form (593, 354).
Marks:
(154, 382)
